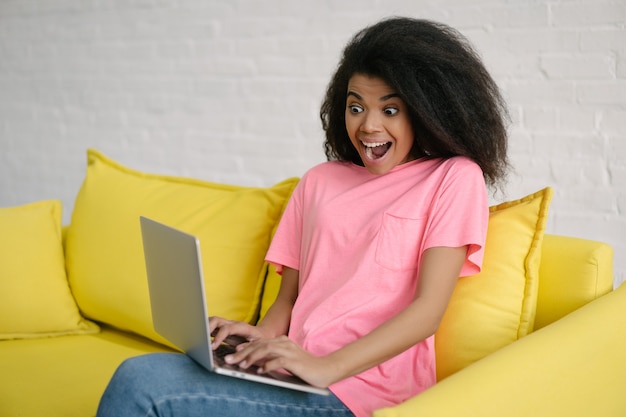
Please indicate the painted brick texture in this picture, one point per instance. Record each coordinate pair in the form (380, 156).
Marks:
(230, 91)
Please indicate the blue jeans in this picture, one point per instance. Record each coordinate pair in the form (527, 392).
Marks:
(171, 384)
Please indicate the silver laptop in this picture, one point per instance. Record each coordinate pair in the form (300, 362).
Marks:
(179, 308)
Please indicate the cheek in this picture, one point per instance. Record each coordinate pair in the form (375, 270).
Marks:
(351, 127)
(406, 132)
(409, 137)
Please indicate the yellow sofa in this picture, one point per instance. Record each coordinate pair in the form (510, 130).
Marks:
(539, 332)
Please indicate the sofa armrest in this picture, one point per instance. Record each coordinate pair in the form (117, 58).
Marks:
(572, 273)
(572, 368)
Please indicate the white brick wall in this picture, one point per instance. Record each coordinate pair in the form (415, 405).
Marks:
(230, 90)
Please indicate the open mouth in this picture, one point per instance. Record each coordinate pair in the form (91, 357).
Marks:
(376, 150)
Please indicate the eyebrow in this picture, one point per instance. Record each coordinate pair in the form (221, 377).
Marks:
(383, 98)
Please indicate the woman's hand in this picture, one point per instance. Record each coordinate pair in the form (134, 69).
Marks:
(275, 322)
(281, 353)
(224, 330)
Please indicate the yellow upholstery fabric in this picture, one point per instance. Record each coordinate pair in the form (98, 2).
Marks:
(104, 255)
(580, 271)
(491, 309)
(270, 290)
(63, 376)
(571, 368)
(35, 300)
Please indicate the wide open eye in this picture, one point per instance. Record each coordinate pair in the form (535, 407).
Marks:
(355, 108)
(390, 111)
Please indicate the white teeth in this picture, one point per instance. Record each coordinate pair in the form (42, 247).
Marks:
(373, 145)
(369, 146)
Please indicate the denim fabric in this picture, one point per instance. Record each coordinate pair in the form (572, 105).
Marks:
(170, 384)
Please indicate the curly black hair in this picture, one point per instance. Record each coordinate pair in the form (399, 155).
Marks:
(455, 106)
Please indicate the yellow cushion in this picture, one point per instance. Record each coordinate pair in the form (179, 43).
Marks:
(270, 290)
(497, 306)
(104, 255)
(35, 300)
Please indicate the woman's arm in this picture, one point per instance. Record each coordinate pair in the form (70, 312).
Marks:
(439, 272)
(278, 316)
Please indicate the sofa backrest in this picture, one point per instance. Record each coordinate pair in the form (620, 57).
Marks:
(572, 273)
(528, 278)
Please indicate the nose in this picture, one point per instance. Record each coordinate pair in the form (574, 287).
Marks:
(371, 122)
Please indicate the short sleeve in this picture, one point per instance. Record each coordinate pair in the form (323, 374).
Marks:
(461, 214)
(286, 244)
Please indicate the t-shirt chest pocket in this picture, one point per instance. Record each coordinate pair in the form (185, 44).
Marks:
(398, 242)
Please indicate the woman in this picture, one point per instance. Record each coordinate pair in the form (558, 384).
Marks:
(370, 245)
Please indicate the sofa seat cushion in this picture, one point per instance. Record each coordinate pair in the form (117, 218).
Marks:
(104, 253)
(35, 299)
(63, 376)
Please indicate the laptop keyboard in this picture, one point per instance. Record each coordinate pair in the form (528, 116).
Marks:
(224, 350)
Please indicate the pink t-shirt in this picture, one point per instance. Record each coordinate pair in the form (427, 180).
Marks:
(357, 240)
